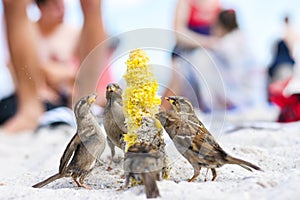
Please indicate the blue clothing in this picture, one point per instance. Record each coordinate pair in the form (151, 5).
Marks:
(282, 56)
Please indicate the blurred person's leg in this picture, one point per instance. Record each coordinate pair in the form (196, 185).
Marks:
(184, 82)
(92, 62)
(21, 36)
(174, 87)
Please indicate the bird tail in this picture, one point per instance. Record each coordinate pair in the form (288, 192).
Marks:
(149, 180)
(246, 165)
(47, 181)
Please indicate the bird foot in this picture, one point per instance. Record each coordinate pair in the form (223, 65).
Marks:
(85, 186)
(213, 179)
(20, 123)
(79, 184)
(109, 168)
(191, 179)
(123, 176)
(122, 188)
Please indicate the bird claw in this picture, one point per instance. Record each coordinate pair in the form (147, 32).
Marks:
(109, 168)
(123, 176)
(122, 188)
(86, 186)
(191, 179)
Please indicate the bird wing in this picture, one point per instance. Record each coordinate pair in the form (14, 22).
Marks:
(168, 115)
(202, 142)
(69, 151)
(171, 123)
(118, 116)
(181, 131)
(206, 146)
(182, 143)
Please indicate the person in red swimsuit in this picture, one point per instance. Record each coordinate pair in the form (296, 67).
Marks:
(193, 21)
(202, 15)
(192, 24)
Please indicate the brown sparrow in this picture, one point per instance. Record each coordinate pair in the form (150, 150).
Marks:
(113, 119)
(143, 162)
(85, 147)
(194, 141)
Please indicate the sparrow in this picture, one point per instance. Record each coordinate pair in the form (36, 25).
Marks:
(194, 141)
(88, 143)
(114, 119)
(143, 162)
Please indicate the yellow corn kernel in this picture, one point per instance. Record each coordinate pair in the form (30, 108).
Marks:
(140, 98)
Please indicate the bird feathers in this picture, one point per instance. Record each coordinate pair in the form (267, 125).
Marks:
(69, 151)
(245, 164)
(193, 140)
(84, 148)
(143, 162)
(118, 115)
(149, 180)
(48, 180)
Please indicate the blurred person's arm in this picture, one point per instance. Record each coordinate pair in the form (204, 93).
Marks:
(57, 74)
(92, 59)
(93, 31)
(59, 77)
(290, 37)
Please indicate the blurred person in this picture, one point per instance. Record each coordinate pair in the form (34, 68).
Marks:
(7, 89)
(45, 58)
(287, 101)
(290, 36)
(284, 88)
(283, 62)
(57, 46)
(235, 63)
(223, 68)
(24, 58)
(192, 23)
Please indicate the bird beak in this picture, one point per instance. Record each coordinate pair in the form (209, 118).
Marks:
(171, 100)
(92, 98)
(111, 88)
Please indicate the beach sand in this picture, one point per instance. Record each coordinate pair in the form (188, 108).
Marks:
(29, 158)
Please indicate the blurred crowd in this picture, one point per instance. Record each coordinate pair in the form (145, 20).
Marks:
(213, 63)
(43, 60)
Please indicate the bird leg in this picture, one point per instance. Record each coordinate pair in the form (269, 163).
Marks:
(80, 183)
(112, 152)
(127, 180)
(109, 168)
(126, 185)
(214, 173)
(77, 183)
(85, 186)
(196, 174)
(205, 179)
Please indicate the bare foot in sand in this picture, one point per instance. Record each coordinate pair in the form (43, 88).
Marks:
(23, 121)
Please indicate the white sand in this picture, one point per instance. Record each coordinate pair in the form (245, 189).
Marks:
(27, 159)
